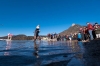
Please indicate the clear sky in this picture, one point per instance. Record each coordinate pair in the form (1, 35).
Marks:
(22, 16)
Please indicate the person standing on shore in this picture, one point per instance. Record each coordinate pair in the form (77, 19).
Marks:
(90, 29)
(49, 35)
(97, 30)
(70, 37)
(36, 33)
(85, 32)
(79, 36)
(82, 34)
(75, 38)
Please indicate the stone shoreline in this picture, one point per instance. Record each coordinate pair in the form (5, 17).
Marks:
(92, 53)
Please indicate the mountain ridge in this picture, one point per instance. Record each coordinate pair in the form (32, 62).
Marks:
(71, 29)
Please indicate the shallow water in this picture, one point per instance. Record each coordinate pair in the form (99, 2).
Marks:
(28, 53)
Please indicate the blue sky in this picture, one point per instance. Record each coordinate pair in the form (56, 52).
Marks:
(22, 16)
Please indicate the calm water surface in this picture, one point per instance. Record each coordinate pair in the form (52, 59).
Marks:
(29, 53)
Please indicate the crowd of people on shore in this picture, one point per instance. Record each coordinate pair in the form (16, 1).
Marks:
(86, 33)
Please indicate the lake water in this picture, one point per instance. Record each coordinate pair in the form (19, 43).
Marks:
(29, 53)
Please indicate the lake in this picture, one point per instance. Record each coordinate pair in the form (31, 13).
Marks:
(29, 53)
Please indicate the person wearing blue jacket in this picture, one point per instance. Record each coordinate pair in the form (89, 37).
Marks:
(79, 36)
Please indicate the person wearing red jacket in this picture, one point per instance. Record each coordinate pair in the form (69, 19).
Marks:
(90, 29)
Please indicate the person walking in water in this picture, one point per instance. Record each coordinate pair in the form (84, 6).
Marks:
(9, 36)
(36, 33)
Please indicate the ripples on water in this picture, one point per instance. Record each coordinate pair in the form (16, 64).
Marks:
(29, 53)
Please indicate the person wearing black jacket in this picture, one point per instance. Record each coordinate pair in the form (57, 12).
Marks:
(36, 33)
(75, 38)
(97, 30)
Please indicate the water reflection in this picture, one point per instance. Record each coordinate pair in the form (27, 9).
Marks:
(73, 47)
(8, 46)
(52, 43)
(51, 52)
(77, 49)
(36, 46)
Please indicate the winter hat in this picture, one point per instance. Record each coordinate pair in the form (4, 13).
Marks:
(38, 27)
(96, 23)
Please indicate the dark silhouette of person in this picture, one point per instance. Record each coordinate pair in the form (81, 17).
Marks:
(36, 33)
(36, 50)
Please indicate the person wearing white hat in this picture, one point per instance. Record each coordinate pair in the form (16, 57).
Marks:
(8, 35)
(38, 26)
(36, 33)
